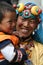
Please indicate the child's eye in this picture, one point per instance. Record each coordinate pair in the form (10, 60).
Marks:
(15, 19)
(10, 22)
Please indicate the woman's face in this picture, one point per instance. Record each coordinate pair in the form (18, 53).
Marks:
(25, 27)
(8, 23)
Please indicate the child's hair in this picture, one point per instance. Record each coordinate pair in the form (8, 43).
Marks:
(8, 1)
(5, 7)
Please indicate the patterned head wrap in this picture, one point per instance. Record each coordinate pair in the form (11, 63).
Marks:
(29, 10)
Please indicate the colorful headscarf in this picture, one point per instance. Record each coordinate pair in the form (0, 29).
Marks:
(29, 10)
(38, 36)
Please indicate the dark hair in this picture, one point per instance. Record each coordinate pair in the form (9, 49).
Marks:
(8, 1)
(5, 7)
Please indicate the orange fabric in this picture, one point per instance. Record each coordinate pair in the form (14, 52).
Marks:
(13, 38)
(1, 56)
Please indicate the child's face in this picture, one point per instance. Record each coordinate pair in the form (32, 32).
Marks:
(8, 23)
(25, 27)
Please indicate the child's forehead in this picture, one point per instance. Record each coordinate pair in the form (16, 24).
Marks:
(9, 14)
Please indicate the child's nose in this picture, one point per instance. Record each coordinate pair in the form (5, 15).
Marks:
(13, 24)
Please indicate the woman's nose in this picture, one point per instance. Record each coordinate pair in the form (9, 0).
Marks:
(20, 24)
(25, 24)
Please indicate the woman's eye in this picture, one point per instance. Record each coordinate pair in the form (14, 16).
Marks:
(31, 20)
(23, 20)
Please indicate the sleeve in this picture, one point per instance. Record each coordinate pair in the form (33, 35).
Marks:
(12, 54)
(8, 52)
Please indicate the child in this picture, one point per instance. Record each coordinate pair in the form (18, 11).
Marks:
(28, 20)
(8, 52)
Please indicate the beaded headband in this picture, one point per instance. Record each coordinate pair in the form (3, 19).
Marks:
(29, 10)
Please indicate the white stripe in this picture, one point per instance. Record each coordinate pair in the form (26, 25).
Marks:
(8, 52)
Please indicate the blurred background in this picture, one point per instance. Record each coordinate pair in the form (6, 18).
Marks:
(38, 2)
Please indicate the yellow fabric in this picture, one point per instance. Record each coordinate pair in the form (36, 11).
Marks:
(36, 54)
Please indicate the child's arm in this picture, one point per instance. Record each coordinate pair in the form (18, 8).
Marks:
(11, 54)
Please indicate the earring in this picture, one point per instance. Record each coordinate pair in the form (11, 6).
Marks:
(33, 32)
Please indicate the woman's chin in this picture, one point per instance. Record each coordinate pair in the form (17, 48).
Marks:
(23, 35)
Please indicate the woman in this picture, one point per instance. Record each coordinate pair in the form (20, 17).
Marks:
(27, 22)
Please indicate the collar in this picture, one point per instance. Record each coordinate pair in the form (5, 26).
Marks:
(1, 33)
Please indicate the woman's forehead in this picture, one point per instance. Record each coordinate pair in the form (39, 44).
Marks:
(20, 17)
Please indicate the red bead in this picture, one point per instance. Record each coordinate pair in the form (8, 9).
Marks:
(14, 5)
(39, 11)
(39, 20)
(25, 7)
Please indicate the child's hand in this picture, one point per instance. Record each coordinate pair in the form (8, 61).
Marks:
(22, 46)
